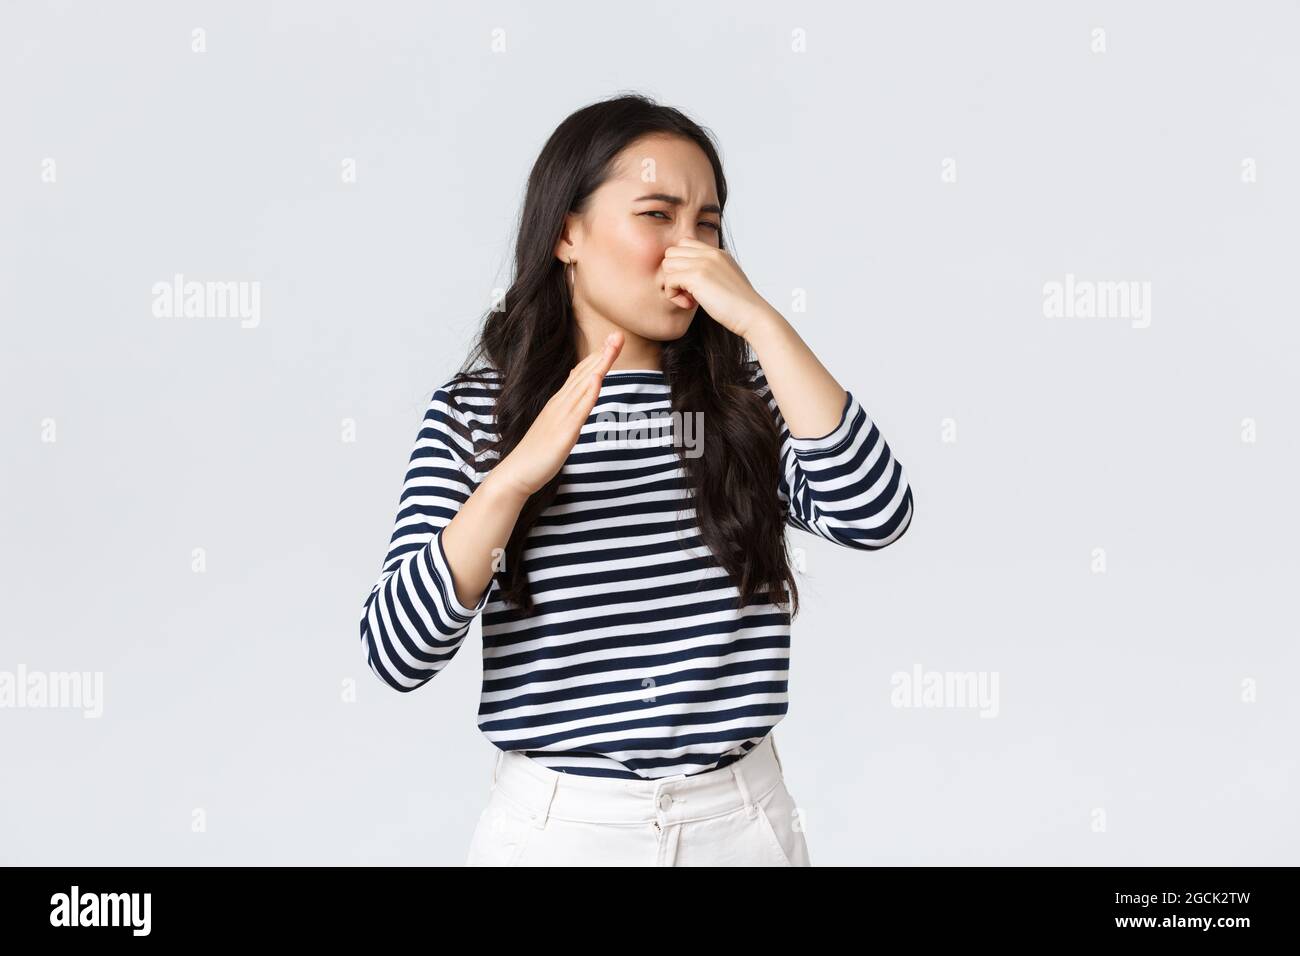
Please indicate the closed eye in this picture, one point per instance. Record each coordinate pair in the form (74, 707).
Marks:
(660, 212)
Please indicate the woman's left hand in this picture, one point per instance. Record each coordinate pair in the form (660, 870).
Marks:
(697, 272)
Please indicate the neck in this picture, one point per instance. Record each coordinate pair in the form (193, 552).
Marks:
(636, 353)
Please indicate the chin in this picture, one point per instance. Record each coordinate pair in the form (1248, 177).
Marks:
(671, 326)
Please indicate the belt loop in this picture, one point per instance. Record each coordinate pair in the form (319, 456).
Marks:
(496, 765)
(751, 808)
(771, 735)
(541, 816)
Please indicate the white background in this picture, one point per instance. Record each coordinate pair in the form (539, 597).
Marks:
(1121, 693)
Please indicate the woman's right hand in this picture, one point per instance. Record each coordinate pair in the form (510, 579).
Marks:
(546, 445)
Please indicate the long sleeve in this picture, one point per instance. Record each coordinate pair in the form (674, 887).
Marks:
(845, 486)
(413, 623)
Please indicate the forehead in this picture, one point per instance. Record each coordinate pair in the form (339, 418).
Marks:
(664, 164)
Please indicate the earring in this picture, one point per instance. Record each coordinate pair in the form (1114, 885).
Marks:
(569, 270)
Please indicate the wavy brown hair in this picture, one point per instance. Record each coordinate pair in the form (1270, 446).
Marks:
(532, 343)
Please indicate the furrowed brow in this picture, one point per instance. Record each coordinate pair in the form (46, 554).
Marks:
(677, 201)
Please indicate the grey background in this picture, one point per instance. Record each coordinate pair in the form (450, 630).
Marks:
(222, 691)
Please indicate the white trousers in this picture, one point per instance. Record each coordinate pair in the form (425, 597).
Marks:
(738, 815)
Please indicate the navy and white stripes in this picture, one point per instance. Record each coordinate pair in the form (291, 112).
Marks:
(635, 661)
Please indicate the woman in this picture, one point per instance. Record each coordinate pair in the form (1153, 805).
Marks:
(608, 479)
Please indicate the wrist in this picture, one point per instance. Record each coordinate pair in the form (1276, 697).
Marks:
(765, 327)
(502, 491)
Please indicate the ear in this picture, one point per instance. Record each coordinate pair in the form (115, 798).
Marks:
(566, 247)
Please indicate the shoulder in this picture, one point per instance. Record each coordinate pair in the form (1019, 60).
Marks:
(467, 388)
(467, 402)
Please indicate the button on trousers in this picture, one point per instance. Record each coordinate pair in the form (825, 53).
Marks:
(738, 815)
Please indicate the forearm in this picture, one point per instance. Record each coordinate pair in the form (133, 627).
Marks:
(484, 523)
(810, 399)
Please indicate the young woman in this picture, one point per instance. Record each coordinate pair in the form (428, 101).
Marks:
(608, 479)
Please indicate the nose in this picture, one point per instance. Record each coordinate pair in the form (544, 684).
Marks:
(694, 230)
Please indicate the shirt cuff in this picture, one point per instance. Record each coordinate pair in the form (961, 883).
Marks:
(442, 567)
(833, 440)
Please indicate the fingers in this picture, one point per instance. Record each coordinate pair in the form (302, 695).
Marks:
(588, 391)
(585, 364)
(585, 399)
(605, 358)
(689, 252)
(613, 345)
(597, 361)
(576, 375)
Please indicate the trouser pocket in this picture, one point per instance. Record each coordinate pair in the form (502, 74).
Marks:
(781, 818)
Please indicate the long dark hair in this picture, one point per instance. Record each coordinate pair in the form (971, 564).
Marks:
(531, 342)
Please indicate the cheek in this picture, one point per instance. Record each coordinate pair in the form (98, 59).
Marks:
(649, 255)
(640, 251)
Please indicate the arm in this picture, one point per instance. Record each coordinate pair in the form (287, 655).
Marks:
(839, 478)
(441, 555)
(437, 574)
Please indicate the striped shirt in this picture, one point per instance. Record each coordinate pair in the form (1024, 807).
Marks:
(635, 661)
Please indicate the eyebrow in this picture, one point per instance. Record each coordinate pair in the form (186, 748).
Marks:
(677, 201)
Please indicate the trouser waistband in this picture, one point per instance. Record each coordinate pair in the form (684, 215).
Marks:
(543, 792)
